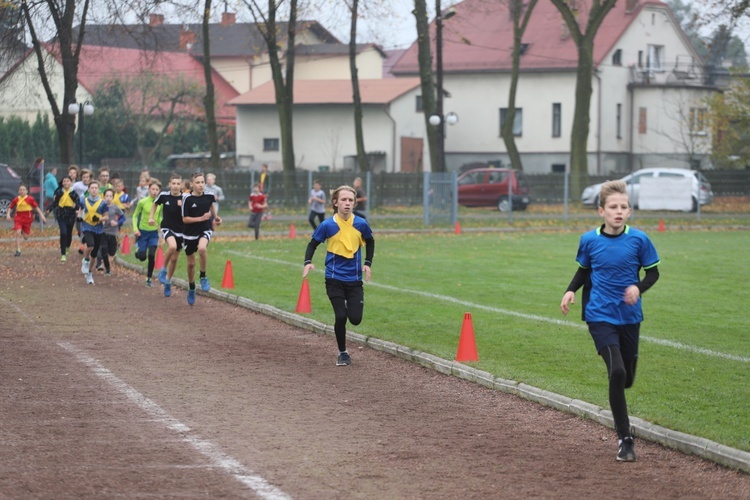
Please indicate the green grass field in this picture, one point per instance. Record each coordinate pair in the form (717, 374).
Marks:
(694, 368)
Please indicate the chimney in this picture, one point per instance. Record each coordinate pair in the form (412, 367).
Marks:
(187, 39)
(630, 6)
(156, 19)
(227, 19)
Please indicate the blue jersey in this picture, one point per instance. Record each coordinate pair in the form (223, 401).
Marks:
(615, 263)
(344, 248)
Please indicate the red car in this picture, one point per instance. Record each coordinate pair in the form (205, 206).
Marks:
(491, 187)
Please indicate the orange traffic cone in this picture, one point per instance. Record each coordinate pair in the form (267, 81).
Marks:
(661, 225)
(303, 302)
(228, 280)
(457, 229)
(292, 231)
(467, 347)
(125, 245)
(159, 263)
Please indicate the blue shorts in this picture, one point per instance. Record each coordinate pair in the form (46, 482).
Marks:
(147, 239)
(623, 336)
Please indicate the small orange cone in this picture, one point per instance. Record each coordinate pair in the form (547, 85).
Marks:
(467, 346)
(303, 302)
(292, 231)
(159, 263)
(228, 280)
(661, 225)
(457, 229)
(125, 245)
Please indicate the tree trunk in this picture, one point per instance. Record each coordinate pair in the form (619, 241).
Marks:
(357, 99)
(426, 78)
(209, 101)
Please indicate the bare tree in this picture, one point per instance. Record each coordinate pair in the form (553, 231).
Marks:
(584, 40)
(520, 13)
(62, 14)
(283, 78)
(209, 102)
(429, 105)
(357, 99)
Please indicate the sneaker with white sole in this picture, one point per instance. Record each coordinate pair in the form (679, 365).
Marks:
(626, 450)
(85, 266)
(90, 278)
(344, 359)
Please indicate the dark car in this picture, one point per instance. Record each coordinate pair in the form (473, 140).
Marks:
(9, 182)
(491, 187)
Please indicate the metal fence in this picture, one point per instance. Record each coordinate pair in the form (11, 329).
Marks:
(392, 189)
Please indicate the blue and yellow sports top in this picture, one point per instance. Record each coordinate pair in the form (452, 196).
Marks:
(344, 249)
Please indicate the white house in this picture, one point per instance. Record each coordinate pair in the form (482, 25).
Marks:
(646, 110)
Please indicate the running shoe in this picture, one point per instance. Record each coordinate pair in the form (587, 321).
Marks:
(63, 258)
(191, 297)
(205, 285)
(626, 450)
(148, 282)
(163, 276)
(107, 273)
(90, 278)
(344, 359)
(17, 254)
(167, 289)
(85, 266)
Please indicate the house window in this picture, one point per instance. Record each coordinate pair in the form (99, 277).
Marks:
(617, 58)
(558, 168)
(418, 104)
(642, 125)
(640, 58)
(517, 121)
(556, 119)
(271, 144)
(618, 124)
(656, 57)
(698, 120)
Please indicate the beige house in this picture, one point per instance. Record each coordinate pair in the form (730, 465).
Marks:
(647, 107)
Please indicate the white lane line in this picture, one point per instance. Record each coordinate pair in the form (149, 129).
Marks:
(213, 453)
(508, 312)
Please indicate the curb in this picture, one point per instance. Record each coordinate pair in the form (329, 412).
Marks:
(686, 443)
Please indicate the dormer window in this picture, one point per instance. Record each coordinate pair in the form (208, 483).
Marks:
(523, 48)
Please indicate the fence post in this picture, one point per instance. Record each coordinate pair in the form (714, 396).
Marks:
(426, 197)
(566, 193)
(454, 198)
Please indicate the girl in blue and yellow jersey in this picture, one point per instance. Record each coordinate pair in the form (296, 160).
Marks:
(346, 234)
(65, 203)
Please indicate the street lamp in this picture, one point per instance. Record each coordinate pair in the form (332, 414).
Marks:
(87, 109)
(438, 120)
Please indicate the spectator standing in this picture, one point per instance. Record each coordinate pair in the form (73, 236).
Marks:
(212, 188)
(361, 198)
(257, 203)
(50, 186)
(317, 202)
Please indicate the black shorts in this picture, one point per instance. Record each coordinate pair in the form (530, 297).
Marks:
(623, 336)
(167, 233)
(191, 246)
(351, 291)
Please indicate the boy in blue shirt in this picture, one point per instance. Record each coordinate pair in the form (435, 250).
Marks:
(346, 234)
(609, 260)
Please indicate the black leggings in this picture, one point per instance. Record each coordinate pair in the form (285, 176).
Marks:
(347, 299)
(66, 234)
(621, 376)
(311, 218)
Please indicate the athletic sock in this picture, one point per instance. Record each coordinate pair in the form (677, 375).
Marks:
(191, 286)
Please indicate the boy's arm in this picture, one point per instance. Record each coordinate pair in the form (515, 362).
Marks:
(309, 252)
(138, 210)
(152, 214)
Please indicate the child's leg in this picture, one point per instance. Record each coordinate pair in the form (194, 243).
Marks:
(172, 265)
(258, 219)
(151, 261)
(63, 226)
(18, 240)
(311, 219)
(617, 378)
(203, 254)
(191, 268)
(355, 304)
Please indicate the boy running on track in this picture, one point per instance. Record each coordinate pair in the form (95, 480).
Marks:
(171, 228)
(94, 214)
(25, 206)
(65, 205)
(197, 211)
(147, 234)
(345, 233)
(610, 259)
(108, 245)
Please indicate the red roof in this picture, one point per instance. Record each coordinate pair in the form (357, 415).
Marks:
(98, 64)
(479, 37)
(333, 92)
